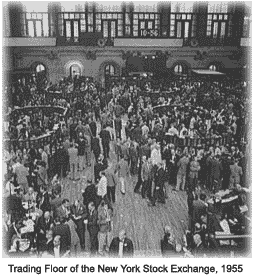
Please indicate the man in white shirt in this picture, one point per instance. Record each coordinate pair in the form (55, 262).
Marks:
(173, 131)
(102, 185)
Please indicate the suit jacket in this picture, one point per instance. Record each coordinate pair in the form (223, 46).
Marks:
(81, 210)
(95, 146)
(160, 178)
(105, 136)
(128, 248)
(118, 124)
(45, 203)
(60, 212)
(63, 230)
(93, 128)
(55, 204)
(49, 247)
(92, 222)
(182, 165)
(146, 168)
(167, 249)
(90, 195)
(97, 169)
(43, 225)
(111, 178)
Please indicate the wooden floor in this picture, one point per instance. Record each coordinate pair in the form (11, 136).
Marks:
(144, 225)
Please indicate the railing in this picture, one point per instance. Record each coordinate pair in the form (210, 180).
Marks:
(208, 41)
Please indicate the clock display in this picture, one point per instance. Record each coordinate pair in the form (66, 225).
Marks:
(149, 33)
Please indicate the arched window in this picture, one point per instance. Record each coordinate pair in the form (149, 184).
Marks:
(40, 68)
(75, 70)
(178, 68)
(212, 67)
(110, 70)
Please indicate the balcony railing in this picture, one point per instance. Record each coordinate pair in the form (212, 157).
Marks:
(208, 41)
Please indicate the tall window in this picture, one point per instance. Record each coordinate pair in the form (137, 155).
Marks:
(182, 25)
(146, 25)
(247, 27)
(35, 25)
(219, 23)
(110, 24)
(182, 20)
(110, 70)
(178, 68)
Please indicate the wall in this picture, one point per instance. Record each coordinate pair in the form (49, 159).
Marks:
(58, 59)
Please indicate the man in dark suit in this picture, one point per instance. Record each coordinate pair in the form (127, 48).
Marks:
(199, 250)
(168, 244)
(199, 209)
(106, 138)
(121, 246)
(90, 194)
(118, 127)
(95, 147)
(145, 177)
(43, 225)
(63, 211)
(159, 186)
(93, 228)
(79, 214)
(61, 229)
(43, 199)
(56, 203)
(93, 128)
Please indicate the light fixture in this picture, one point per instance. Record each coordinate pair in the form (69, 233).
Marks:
(146, 57)
(153, 57)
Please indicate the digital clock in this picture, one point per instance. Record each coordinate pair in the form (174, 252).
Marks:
(149, 33)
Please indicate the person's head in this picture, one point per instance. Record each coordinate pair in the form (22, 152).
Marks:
(144, 158)
(43, 189)
(102, 174)
(122, 235)
(30, 190)
(65, 203)
(197, 239)
(49, 235)
(76, 203)
(56, 241)
(91, 206)
(202, 197)
(47, 215)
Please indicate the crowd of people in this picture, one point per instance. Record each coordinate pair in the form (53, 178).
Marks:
(190, 138)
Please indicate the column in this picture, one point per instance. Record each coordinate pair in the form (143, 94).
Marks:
(200, 8)
(16, 16)
(164, 10)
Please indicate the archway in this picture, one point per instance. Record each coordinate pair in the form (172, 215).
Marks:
(108, 69)
(180, 69)
(39, 72)
(74, 68)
